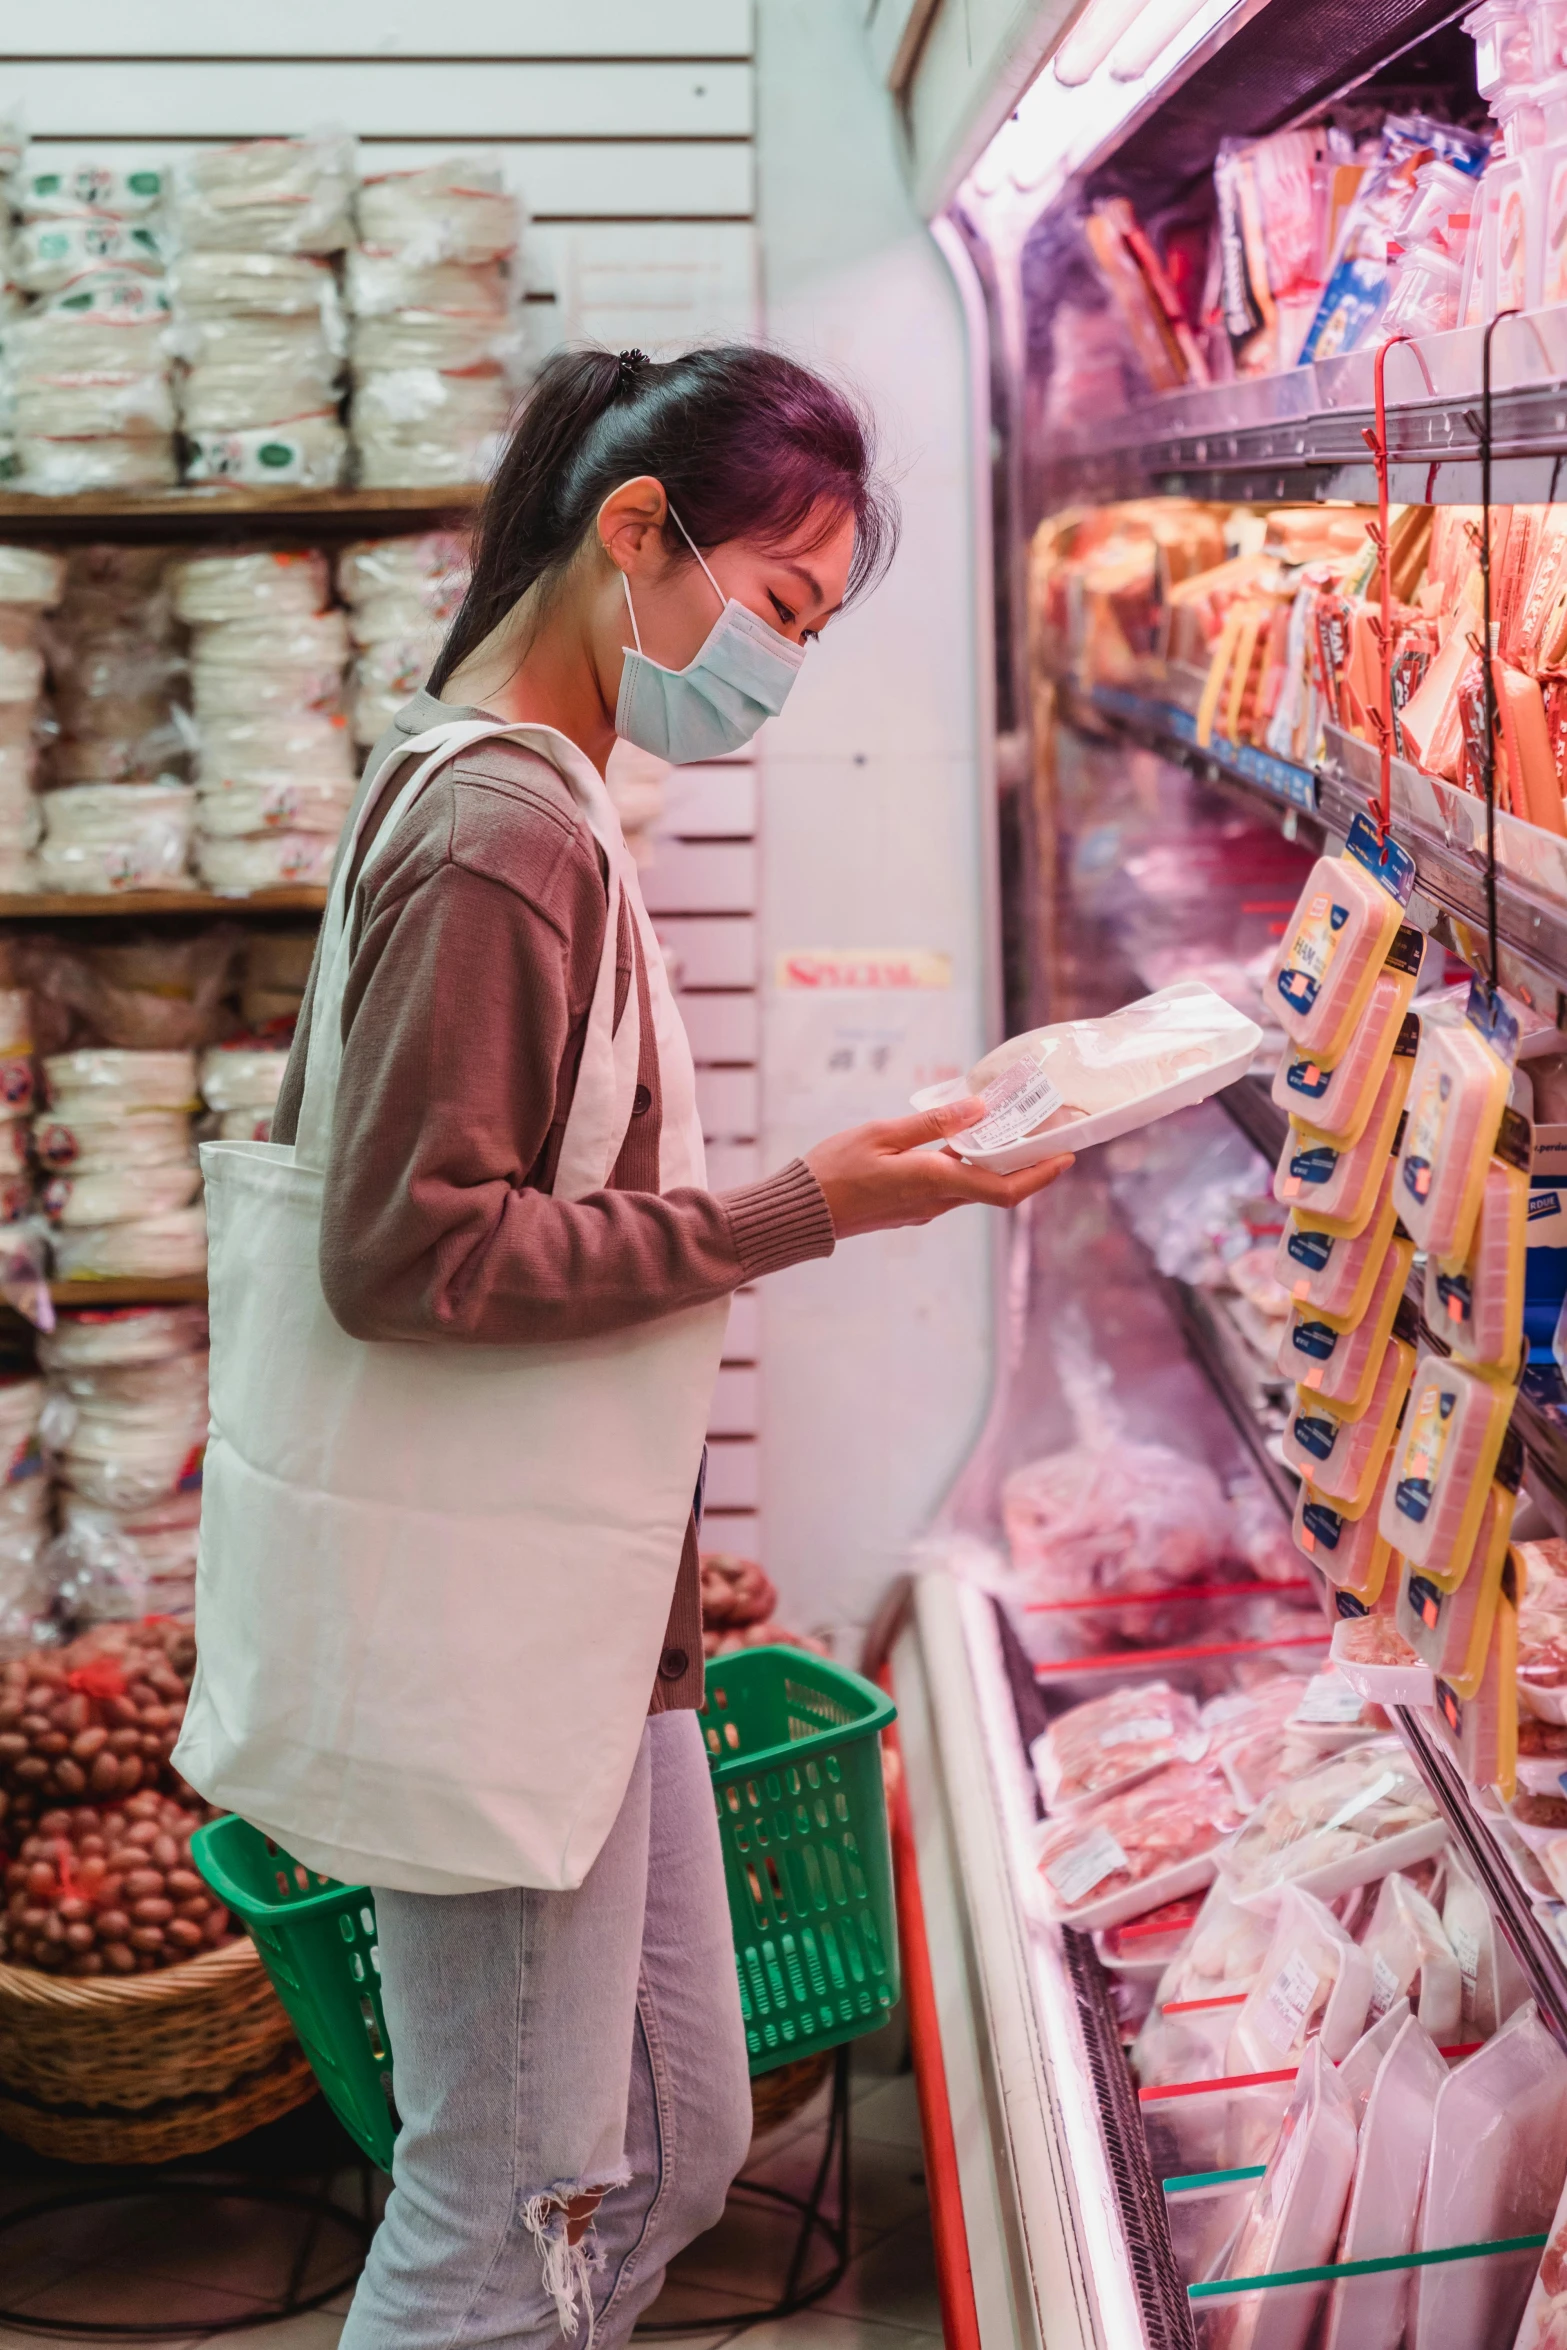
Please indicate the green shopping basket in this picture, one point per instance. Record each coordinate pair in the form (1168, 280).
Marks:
(795, 1753)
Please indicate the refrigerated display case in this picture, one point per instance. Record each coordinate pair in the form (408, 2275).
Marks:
(1156, 826)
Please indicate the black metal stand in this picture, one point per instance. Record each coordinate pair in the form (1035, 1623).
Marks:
(815, 2221)
(319, 2210)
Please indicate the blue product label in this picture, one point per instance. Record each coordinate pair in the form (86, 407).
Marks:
(1311, 1249)
(1316, 1164)
(1316, 1433)
(1348, 1605)
(1351, 303)
(1323, 1524)
(1314, 1339)
(1489, 1016)
(1305, 1078)
(1381, 856)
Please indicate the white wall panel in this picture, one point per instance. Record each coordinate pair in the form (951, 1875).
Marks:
(740, 1532)
(701, 877)
(719, 951)
(380, 99)
(728, 1102)
(721, 1027)
(710, 803)
(387, 28)
(737, 1401)
(648, 283)
(742, 1342)
(729, 1164)
(734, 1478)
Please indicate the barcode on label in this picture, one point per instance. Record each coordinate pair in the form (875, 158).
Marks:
(1287, 2001)
(1385, 1988)
(1076, 1872)
(1015, 1103)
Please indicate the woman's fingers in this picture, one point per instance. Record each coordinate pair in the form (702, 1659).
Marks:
(982, 1184)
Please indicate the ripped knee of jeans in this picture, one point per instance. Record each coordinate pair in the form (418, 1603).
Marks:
(561, 2225)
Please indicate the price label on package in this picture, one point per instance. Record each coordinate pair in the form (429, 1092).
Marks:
(1287, 2002)
(1142, 1732)
(1385, 1988)
(1076, 1872)
(1017, 1101)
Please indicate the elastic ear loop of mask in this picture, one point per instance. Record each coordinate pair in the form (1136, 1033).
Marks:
(723, 601)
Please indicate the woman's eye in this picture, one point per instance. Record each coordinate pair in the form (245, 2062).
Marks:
(782, 610)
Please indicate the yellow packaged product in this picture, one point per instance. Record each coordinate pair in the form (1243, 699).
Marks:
(1328, 1273)
(1344, 1458)
(1337, 1100)
(1477, 1305)
(1353, 1553)
(1443, 1466)
(1451, 1630)
(1334, 944)
(1340, 1364)
(1481, 1732)
(1337, 1185)
(1456, 1099)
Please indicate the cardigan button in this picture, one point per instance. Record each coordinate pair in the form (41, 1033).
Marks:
(672, 1664)
(641, 1102)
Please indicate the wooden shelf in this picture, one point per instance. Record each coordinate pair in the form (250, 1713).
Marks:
(200, 511)
(124, 905)
(189, 1291)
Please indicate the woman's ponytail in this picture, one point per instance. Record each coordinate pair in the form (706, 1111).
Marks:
(748, 444)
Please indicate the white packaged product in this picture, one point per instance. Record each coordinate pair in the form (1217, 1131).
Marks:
(31, 575)
(274, 639)
(95, 1338)
(1223, 1952)
(249, 586)
(382, 283)
(100, 838)
(1294, 2218)
(155, 1248)
(109, 1140)
(1390, 2169)
(238, 746)
(1081, 1082)
(1359, 2069)
(273, 803)
(273, 860)
(120, 1080)
(268, 196)
(130, 1437)
(118, 1195)
(48, 254)
(1135, 1851)
(297, 452)
(455, 210)
(1344, 1824)
(1108, 1744)
(50, 191)
(248, 396)
(430, 568)
(217, 284)
(1498, 2158)
(247, 1076)
(97, 405)
(1100, 1520)
(115, 318)
(1315, 1981)
(69, 468)
(1493, 1982)
(1411, 1957)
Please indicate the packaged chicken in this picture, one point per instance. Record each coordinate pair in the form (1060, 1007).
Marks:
(1444, 1460)
(1478, 1304)
(1081, 1082)
(1544, 2324)
(1411, 1958)
(1456, 1098)
(1135, 1851)
(1098, 1521)
(1450, 1629)
(1295, 2217)
(1373, 1655)
(1334, 946)
(1331, 1274)
(1337, 1101)
(1493, 1982)
(1336, 1187)
(1353, 1553)
(1314, 1982)
(1481, 1731)
(1384, 2199)
(1542, 1631)
(1498, 2159)
(1112, 1742)
(1223, 1953)
(1344, 1824)
(1359, 2069)
(1343, 1458)
(1340, 1364)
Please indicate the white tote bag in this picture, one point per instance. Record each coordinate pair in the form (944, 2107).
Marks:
(435, 1578)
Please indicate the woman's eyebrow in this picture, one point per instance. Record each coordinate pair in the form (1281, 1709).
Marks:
(799, 571)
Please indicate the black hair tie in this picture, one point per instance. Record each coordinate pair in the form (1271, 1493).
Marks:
(631, 366)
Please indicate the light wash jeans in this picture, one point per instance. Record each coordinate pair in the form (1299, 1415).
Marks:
(548, 2043)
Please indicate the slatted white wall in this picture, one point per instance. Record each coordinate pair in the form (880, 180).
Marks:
(626, 126)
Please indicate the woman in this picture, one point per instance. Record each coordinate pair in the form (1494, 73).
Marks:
(467, 1309)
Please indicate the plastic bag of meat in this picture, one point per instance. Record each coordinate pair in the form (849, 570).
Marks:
(1351, 1820)
(1097, 1521)
(1137, 1850)
(1112, 1742)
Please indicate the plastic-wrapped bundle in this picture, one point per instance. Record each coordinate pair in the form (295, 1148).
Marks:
(104, 1140)
(274, 803)
(387, 284)
(100, 838)
(100, 1082)
(309, 743)
(244, 1075)
(416, 425)
(271, 816)
(49, 253)
(212, 287)
(30, 583)
(272, 860)
(456, 210)
(262, 339)
(247, 586)
(95, 1338)
(114, 665)
(403, 595)
(129, 1435)
(162, 1538)
(287, 196)
(153, 1248)
(301, 452)
(147, 994)
(123, 1185)
(92, 191)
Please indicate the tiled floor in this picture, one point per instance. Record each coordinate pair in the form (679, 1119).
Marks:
(102, 2266)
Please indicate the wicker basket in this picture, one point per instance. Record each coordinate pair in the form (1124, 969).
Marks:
(776, 2097)
(144, 2068)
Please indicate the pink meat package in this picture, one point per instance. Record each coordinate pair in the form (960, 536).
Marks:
(1137, 1850)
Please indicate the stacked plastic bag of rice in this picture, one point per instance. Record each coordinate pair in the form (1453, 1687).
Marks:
(240, 1083)
(30, 582)
(126, 1421)
(119, 814)
(429, 289)
(402, 595)
(276, 771)
(90, 357)
(259, 325)
(121, 1183)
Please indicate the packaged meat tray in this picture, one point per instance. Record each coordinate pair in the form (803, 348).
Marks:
(1103, 1521)
(1136, 1851)
(1338, 1185)
(1542, 1632)
(1353, 1553)
(1481, 1731)
(1344, 1824)
(1081, 1082)
(1384, 2199)
(1443, 1462)
(1294, 2221)
(1103, 1747)
(1343, 1458)
(1340, 1365)
(1315, 1981)
(1456, 1099)
(1337, 1100)
(1333, 948)
(1478, 1306)
(1375, 1658)
(1411, 1958)
(1222, 1955)
(1332, 1274)
(1450, 1630)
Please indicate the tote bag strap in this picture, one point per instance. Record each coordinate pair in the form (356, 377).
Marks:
(607, 1075)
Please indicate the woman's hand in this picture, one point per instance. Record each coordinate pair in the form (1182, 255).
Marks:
(880, 1176)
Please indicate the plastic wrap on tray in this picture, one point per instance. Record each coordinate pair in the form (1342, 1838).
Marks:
(1294, 2219)
(1337, 1185)
(1542, 1630)
(1353, 1553)
(1112, 1742)
(1340, 1365)
(155, 1248)
(1135, 1851)
(1338, 1101)
(1444, 1459)
(1390, 2168)
(1477, 1305)
(1315, 1981)
(1347, 1822)
(1344, 1459)
(1450, 1630)
(1102, 1520)
(1412, 1958)
(1456, 1099)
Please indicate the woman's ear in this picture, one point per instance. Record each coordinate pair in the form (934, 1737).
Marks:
(630, 524)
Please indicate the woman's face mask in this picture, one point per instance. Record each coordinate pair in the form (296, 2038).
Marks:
(740, 674)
